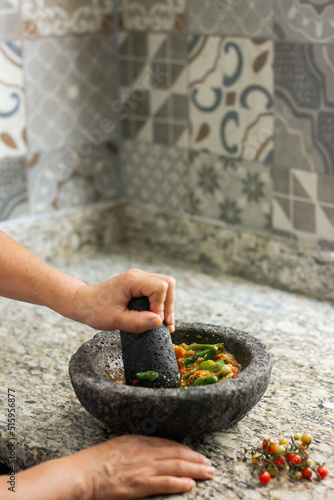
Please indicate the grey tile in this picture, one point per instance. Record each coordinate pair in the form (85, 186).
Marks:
(304, 21)
(253, 19)
(298, 189)
(326, 189)
(13, 189)
(154, 88)
(285, 204)
(303, 205)
(304, 216)
(150, 15)
(156, 175)
(72, 177)
(304, 97)
(10, 24)
(235, 192)
(161, 133)
(281, 180)
(329, 211)
(71, 87)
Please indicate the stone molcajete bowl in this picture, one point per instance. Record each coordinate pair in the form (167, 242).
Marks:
(171, 413)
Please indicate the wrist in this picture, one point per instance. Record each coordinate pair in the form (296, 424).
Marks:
(82, 309)
(58, 479)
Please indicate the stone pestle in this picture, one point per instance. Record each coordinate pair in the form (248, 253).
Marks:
(149, 351)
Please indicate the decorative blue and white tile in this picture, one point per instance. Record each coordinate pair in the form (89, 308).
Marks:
(54, 18)
(304, 98)
(10, 26)
(231, 97)
(237, 17)
(304, 21)
(152, 15)
(13, 141)
(156, 175)
(234, 191)
(72, 177)
(303, 205)
(71, 87)
(154, 88)
(13, 189)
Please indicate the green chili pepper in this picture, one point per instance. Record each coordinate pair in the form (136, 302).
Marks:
(211, 353)
(207, 379)
(149, 375)
(187, 375)
(201, 347)
(225, 370)
(192, 359)
(209, 364)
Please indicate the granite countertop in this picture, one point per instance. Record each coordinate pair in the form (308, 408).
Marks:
(36, 345)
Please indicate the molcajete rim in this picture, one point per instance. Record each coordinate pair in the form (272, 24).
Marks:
(141, 410)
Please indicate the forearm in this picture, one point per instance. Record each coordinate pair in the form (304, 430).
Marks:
(57, 479)
(25, 277)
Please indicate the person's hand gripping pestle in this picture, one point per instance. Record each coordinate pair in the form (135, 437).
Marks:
(151, 351)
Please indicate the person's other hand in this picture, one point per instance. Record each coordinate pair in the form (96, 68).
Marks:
(130, 467)
(105, 306)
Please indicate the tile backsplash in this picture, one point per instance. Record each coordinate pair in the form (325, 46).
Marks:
(213, 108)
(54, 18)
(231, 85)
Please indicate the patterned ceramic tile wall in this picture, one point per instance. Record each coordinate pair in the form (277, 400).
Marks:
(55, 18)
(156, 175)
(9, 20)
(72, 177)
(231, 96)
(13, 189)
(233, 191)
(304, 20)
(305, 107)
(197, 101)
(13, 141)
(304, 159)
(154, 87)
(152, 15)
(236, 17)
(303, 205)
(56, 105)
(71, 86)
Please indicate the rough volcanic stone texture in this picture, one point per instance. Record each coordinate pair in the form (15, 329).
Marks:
(150, 351)
(171, 413)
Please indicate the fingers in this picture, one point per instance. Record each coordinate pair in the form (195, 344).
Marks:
(169, 485)
(137, 322)
(171, 449)
(176, 476)
(160, 289)
(184, 468)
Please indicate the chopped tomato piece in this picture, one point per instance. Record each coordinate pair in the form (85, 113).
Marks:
(179, 352)
(201, 373)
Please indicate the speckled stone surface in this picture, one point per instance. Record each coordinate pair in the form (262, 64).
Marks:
(214, 245)
(220, 247)
(36, 345)
(69, 230)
